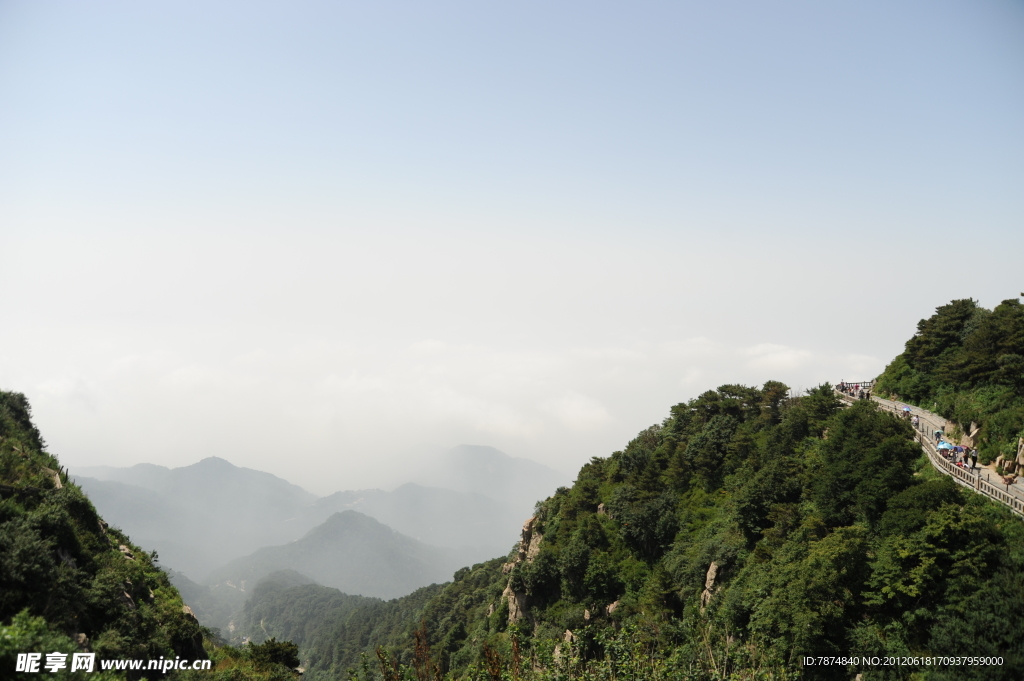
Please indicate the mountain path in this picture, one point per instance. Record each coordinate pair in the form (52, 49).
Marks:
(983, 480)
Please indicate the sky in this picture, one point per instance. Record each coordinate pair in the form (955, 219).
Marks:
(323, 239)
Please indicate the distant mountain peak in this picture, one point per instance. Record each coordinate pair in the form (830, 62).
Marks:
(147, 467)
(352, 552)
(214, 462)
(348, 520)
(486, 470)
(485, 454)
(349, 516)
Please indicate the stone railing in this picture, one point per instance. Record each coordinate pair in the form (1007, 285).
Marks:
(928, 423)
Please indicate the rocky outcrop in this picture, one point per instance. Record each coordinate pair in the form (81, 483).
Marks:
(66, 558)
(971, 438)
(568, 639)
(56, 478)
(529, 546)
(709, 585)
(516, 604)
(529, 541)
(103, 532)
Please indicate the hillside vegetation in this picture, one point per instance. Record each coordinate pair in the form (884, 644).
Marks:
(967, 364)
(743, 532)
(70, 583)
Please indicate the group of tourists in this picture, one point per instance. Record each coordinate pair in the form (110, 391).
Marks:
(855, 390)
(964, 457)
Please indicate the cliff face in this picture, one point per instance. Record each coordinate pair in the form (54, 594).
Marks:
(59, 561)
(525, 553)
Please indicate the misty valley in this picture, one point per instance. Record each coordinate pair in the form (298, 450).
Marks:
(511, 341)
(220, 529)
(753, 532)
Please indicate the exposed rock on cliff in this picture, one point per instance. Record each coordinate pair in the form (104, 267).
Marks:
(529, 546)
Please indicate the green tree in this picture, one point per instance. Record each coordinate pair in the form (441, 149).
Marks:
(867, 458)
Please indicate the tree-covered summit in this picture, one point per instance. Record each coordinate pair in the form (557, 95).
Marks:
(743, 532)
(967, 363)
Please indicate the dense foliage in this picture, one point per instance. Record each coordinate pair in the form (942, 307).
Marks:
(59, 561)
(742, 533)
(69, 583)
(331, 628)
(967, 363)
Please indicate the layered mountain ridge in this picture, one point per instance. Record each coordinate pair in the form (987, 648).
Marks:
(201, 516)
(220, 529)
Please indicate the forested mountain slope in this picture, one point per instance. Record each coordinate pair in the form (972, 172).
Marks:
(60, 562)
(967, 363)
(70, 583)
(742, 533)
(739, 535)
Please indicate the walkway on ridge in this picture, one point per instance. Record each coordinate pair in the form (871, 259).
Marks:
(981, 480)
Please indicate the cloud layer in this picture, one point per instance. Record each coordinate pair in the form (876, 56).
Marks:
(322, 238)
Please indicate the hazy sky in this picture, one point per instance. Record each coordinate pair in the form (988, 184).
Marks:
(320, 238)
